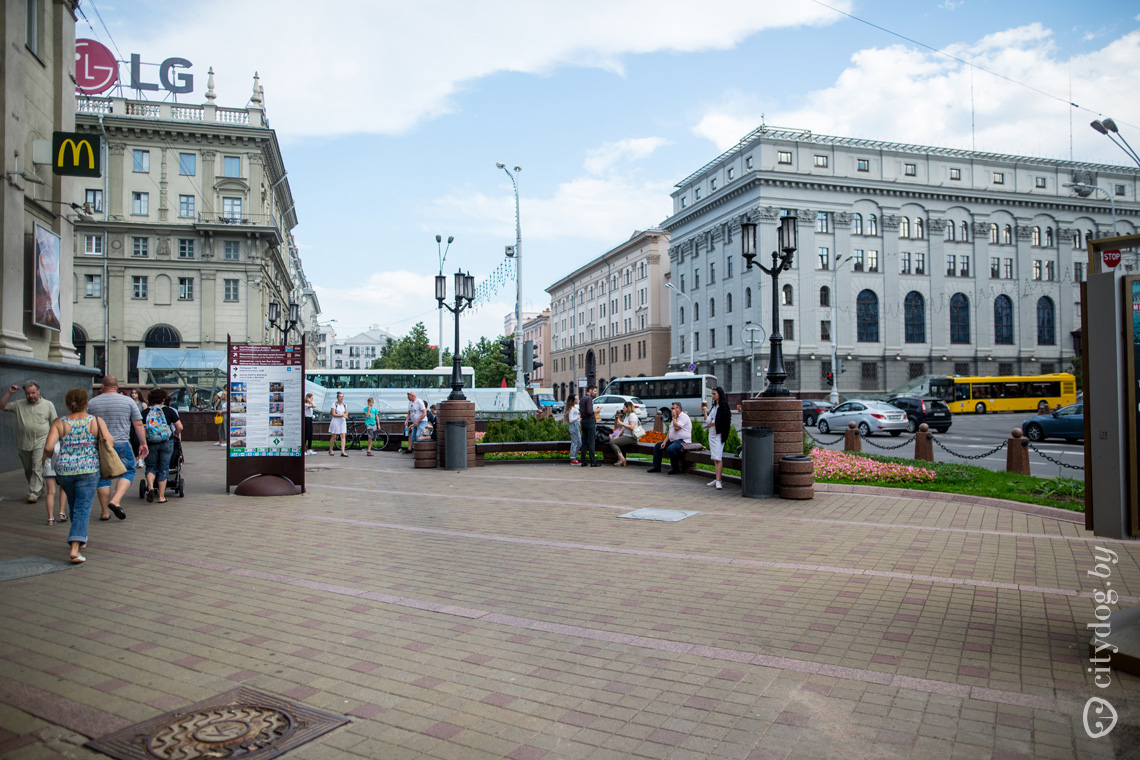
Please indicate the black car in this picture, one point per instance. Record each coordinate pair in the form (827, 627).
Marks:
(919, 410)
(812, 409)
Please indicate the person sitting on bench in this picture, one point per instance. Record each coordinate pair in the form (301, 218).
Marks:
(680, 433)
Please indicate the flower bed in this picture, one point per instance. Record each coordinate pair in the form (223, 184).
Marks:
(651, 437)
(839, 465)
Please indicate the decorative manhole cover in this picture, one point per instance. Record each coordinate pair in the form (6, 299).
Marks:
(660, 515)
(25, 567)
(242, 723)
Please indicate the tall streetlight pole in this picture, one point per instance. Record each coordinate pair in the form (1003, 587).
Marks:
(1107, 127)
(442, 258)
(518, 277)
(751, 329)
(1111, 200)
(834, 397)
(690, 300)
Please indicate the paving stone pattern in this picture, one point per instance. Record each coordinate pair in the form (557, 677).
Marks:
(506, 612)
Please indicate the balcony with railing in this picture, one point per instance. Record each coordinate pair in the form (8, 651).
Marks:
(206, 114)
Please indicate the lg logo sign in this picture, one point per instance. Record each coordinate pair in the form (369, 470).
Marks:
(97, 70)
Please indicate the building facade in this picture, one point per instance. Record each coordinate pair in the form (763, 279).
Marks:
(37, 96)
(190, 240)
(359, 351)
(915, 260)
(509, 322)
(537, 330)
(610, 317)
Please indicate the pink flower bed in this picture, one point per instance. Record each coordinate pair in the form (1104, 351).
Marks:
(479, 436)
(838, 464)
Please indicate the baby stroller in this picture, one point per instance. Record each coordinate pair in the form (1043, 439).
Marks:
(175, 483)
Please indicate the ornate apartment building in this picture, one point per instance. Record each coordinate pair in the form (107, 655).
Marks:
(189, 240)
(913, 259)
(536, 329)
(610, 317)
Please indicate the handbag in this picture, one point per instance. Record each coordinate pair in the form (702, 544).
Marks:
(110, 465)
(219, 419)
(638, 431)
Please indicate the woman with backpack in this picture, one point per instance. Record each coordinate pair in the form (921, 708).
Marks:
(161, 425)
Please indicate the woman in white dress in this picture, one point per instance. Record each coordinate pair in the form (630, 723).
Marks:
(338, 424)
(718, 421)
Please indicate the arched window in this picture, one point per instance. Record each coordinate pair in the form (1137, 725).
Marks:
(1076, 239)
(994, 233)
(857, 224)
(748, 298)
(1048, 237)
(696, 312)
(825, 296)
(948, 233)
(591, 293)
(728, 303)
(965, 230)
(79, 340)
(1003, 321)
(914, 308)
(1007, 235)
(788, 295)
(872, 224)
(1046, 334)
(919, 228)
(1037, 236)
(162, 336)
(682, 315)
(959, 319)
(904, 227)
(867, 317)
(712, 308)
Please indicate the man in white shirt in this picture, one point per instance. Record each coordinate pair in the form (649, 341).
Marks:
(680, 433)
(416, 421)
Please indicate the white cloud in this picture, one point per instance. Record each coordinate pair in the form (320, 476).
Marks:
(902, 94)
(603, 159)
(382, 67)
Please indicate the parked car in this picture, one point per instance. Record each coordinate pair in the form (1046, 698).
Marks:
(812, 409)
(559, 407)
(610, 404)
(918, 410)
(869, 416)
(1068, 422)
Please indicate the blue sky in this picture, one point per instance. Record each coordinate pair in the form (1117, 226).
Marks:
(392, 115)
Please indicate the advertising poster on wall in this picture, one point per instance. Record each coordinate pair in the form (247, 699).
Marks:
(45, 309)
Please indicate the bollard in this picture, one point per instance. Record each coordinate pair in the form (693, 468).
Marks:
(797, 477)
(1017, 453)
(852, 441)
(923, 444)
(658, 424)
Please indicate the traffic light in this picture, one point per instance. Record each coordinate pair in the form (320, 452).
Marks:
(526, 380)
(830, 379)
(528, 357)
(841, 368)
(507, 351)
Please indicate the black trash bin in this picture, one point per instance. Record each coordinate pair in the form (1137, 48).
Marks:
(757, 468)
(455, 445)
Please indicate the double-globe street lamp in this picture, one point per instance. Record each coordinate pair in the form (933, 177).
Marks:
(442, 258)
(781, 260)
(464, 291)
(286, 324)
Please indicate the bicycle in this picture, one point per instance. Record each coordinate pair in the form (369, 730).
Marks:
(356, 438)
(352, 436)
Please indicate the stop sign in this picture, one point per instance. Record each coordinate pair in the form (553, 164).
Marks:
(1110, 257)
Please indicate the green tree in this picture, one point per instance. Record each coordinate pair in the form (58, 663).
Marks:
(486, 358)
(411, 351)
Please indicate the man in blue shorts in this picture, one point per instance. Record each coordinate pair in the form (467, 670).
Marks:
(120, 414)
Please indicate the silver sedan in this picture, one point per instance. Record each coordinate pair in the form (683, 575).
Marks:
(869, 416)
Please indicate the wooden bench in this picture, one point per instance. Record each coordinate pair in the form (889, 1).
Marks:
(731, 461)
(689, 458)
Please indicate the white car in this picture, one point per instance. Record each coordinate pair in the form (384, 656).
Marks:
(869, 416)
(610, 404)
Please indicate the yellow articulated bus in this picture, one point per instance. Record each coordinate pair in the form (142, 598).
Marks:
(1007, 393)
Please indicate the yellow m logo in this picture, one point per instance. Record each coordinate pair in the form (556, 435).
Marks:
(77, 149)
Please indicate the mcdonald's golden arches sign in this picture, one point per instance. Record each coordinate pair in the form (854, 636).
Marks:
(76, 155)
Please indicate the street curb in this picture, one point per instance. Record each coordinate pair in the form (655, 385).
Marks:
(1052, 513)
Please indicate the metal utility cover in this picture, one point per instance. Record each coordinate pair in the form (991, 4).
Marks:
(241, 722)
(660, 515)
(25, 567)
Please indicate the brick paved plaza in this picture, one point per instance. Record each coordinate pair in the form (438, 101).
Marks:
(507, 612)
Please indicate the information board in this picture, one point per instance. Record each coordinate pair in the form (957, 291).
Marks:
(265, 423)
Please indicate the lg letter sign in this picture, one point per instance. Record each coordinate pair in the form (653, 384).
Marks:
(97, 70)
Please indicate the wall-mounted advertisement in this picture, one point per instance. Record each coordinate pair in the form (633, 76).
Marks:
(45, 310)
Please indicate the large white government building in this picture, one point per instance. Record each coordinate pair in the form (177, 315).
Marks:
(188, 239)
(913, 259)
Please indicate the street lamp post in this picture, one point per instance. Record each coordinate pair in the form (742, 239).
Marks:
(442, 259)
(691, 329)
(464, 291)
(288, 323)
(781, 260)
(1111, 200)
(751, 329)
(1107, 127)
(518, 277)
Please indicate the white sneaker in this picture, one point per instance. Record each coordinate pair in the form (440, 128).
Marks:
(719, 485)
(711, 483)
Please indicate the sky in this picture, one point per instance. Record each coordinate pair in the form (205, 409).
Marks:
(393, 115)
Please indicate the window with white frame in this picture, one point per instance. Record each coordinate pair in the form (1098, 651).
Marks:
(138, 287)
(904, 262)
(231, 209)
(862, 164)
(748, 163)
(857, 257)
(1039, 182)
(93, 245)
(872, 261)
(910, 170)
(821, 161)
(999, 178)
(93, 286)
(141, 160)
(140, 246)
(822, 221)
(231, 166)
(951, 265)
(824, 257)
(920, 262)
(94, 198)
(230, 290)
(955, 174)
(1120, 190)
(232, 251)
(185, 288)
(140, 203)
(185, 248)
(731, 173)
(186, 206)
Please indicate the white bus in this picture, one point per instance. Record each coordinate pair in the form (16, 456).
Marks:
(656, 392)
(389, 390)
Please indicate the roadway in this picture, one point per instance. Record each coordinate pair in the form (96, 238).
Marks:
(975, 435)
